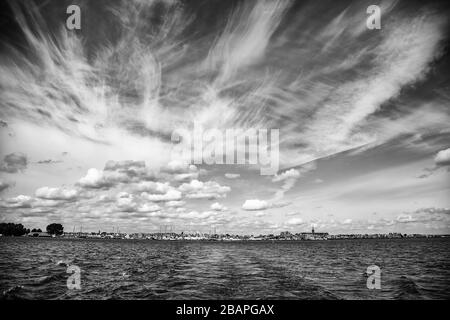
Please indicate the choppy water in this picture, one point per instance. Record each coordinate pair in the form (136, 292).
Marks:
(33, 268)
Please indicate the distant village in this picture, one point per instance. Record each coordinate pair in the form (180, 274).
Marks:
(283, 236)
(57, 230)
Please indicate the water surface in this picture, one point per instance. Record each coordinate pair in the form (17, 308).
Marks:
(32, 268)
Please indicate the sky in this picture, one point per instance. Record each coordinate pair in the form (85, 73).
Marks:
(87, 116)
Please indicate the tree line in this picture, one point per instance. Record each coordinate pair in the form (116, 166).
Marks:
(17, 229)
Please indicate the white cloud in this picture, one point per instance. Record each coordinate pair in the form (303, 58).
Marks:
(204, 190)
(186, 176)
(117, 106)
(218, 207)
(294, 221)
(56, 193)
(94, 179)
(347, 221)
(148, 208)
(46, 203)
(289, 178)
(443, 157)
(153, 187)
(255, 204)
(245, 38)
(20, 201)
(171, 195)
(175, 204)
(232, 175)
(288, 174)
(405, 218)
(179, 166)
(126, 203)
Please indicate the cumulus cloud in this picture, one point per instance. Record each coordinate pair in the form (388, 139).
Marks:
(288, 174)
(148, 208)
(218, 207)
(14, 162)
(129, 171)
(107, 178)
(116, 172)
(20, 201)
(289, 179)
(153, 187)
(443, 158)
(126, 203)
(45, 203)
(347, 221)
(204, 190)
(186, 176)
(131, 166)
(405, 218)
(136, 195)
(175, 204)
(255, 204)
(179, 166)
(94, 179)
(170, 195)
(295, 222)
(56, 193)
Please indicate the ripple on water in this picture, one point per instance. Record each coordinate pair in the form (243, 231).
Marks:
(36, 269)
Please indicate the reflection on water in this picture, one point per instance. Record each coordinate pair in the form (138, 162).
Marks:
(33, 268)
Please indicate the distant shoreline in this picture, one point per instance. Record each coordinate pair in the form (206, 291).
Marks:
(222, 241)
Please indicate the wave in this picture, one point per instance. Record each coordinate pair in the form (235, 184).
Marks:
(406, 288)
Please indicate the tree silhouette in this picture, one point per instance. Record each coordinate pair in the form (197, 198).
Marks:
(55, 228)
(13, 229)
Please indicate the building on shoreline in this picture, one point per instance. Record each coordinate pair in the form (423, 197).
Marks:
(314, 235)
(40, 235)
